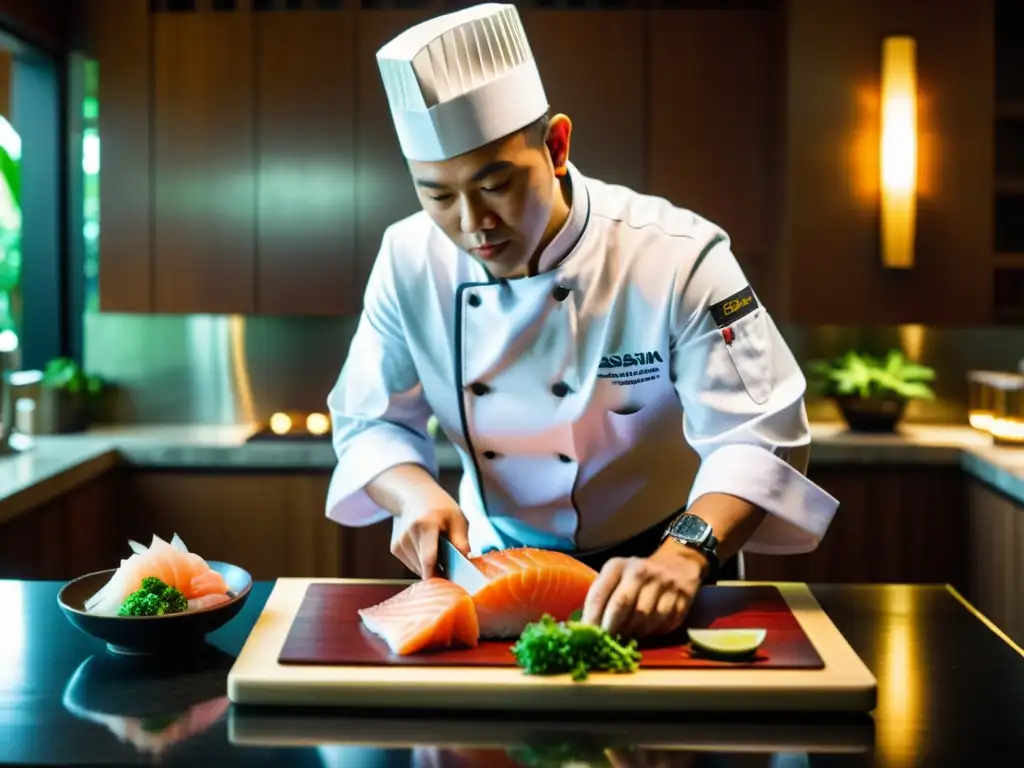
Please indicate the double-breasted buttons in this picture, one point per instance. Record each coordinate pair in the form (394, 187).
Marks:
(561, 293)
(479, 388)
(560, 389)
(564, 459)
(474, 300)
(490, 455)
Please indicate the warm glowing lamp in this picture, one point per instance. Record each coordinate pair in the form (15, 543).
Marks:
(317, 424)
(899, 151)
(280, 423)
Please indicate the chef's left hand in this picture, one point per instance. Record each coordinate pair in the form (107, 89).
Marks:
(638, 597)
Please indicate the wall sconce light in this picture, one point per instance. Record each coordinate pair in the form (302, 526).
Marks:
(898, 151)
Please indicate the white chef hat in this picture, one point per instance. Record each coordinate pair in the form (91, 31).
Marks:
(459, 81)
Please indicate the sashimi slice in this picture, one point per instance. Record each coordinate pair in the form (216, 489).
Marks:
(202, 579)
(207, 601)
(427, 615)
(208, 583)
(525, 583)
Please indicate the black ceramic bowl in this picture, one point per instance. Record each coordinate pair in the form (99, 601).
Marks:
(152, 634)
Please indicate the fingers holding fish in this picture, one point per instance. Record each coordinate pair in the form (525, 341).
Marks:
(601, 590)
(621, 607)
(645, 618)
(640, 597)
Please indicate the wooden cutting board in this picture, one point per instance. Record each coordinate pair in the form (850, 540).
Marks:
(327, 631)
(838, 681)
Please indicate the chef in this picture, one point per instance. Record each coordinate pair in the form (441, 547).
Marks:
(613, 385)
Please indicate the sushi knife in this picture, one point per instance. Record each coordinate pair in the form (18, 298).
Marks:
(457, 568)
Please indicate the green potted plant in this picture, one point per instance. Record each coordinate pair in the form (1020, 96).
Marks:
(872, 393)
(69, 397)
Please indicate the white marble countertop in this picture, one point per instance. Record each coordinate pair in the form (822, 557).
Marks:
(56, 464)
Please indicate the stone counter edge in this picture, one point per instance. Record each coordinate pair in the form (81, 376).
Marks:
(58, 465)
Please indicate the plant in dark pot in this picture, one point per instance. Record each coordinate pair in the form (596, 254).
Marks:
(69, 397)
(872, 393)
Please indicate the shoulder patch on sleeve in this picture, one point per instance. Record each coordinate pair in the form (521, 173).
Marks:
(731, 309)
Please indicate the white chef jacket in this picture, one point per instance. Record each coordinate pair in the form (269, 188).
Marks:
(586, 403)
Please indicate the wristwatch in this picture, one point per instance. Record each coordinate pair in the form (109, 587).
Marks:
(690, 531)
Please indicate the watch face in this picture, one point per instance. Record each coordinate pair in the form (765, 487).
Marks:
(691, 529)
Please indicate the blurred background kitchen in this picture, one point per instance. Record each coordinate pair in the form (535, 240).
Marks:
(195, 190)
(204, 183)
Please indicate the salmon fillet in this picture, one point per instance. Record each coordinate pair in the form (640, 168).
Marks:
(427, 615)
(524, 584)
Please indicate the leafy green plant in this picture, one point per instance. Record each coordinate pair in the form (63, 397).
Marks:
(64, 373)
(855, 374)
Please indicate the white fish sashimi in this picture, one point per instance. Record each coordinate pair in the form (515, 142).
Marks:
(179, 545)
(138, 549)
(107, 598)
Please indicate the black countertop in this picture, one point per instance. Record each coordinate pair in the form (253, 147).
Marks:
(951, 692)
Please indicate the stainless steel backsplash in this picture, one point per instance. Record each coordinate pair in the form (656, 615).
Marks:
(216, 369)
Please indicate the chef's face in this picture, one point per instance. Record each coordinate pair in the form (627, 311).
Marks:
(500, 203)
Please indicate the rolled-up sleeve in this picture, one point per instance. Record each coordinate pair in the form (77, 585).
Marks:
(378, 412)
(742, 392)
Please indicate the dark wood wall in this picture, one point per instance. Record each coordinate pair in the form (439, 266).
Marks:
(45, 24)
(250, 164)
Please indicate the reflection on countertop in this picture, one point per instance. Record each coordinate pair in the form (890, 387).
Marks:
(616, 741)
(56, 463)
(150, 702)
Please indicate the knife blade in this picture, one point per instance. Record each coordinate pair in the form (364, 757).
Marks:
(457, 568)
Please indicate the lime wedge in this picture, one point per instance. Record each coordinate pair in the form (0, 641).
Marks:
(727, 642)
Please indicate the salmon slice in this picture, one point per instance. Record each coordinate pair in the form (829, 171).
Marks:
(427, 615)
(524, 584)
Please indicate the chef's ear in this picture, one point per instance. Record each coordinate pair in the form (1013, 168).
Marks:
(559, 131)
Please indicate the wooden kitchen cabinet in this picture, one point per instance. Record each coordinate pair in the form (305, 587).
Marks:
(204, 184)
(117, 37)
(829, 259)
(995, 555)
(306, 187)
(76, 533)
(274, 167)
(714, 122)
(899, 523)
(271, 524)
(384, 191)
(597, 76)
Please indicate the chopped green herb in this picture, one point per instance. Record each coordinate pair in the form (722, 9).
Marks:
(549, 647)
(154, 598)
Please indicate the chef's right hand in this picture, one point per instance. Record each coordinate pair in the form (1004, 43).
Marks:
(419, 525)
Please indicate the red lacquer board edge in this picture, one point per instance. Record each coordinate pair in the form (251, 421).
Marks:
(327, 632)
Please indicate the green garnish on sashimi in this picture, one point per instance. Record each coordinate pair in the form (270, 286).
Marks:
(549, 647)
(154, 598)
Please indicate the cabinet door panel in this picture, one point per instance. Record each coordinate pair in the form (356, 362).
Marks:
(384, 190)
(592, 65)
(204, 225)
(715, 121)
(119, 41)
(305, 119)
